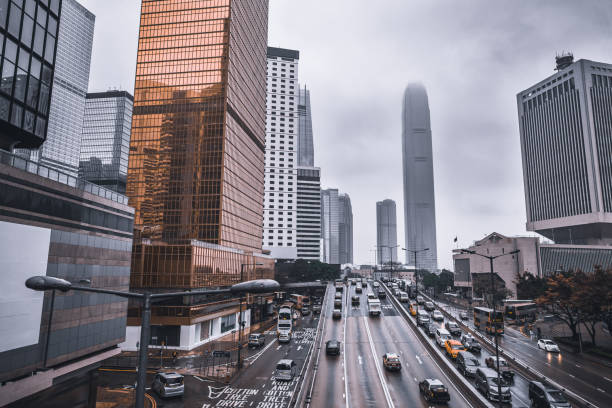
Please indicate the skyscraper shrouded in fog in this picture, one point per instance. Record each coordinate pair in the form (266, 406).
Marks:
(386, 232)
(419, 201)
(61, 150)
(196, 164)
(305, 134)
(345, 229)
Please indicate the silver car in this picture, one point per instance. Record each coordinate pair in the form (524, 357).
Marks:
(285, 370)
(168, 385)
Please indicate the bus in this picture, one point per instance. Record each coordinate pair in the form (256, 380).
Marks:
(339, 285)
(521, 312)
(300, 301)
(485, 320)
(285, 322)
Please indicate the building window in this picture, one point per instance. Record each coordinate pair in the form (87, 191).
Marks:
(228, 323)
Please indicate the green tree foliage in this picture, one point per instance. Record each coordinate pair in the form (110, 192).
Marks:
(593, 297)
(440, 282)
(529, 286)
(560, 299)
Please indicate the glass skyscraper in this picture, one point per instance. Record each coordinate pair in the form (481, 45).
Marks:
(28, 32)
(336, 227)
(105, 142)
(386, 232)
(305, 137)
(345, 229)
(419, 201)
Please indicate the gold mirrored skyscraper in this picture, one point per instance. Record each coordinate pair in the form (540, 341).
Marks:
(196, 166)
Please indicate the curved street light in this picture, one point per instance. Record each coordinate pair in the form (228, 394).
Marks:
(42, 283)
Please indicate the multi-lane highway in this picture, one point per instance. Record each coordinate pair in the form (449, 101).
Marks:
(592, 380)
(357, 377)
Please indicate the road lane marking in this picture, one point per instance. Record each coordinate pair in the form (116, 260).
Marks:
(600, 390)
(377, 365)
(577, 365)
(279, 347)
(419, 359)
(299, 348)
(573, 376)
(608, 379)
(345, 379)
(360, 360)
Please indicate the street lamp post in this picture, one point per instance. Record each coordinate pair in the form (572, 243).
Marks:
(416, 272)
(390, 250)
(495, 326)
(42, 283)
(240, 318)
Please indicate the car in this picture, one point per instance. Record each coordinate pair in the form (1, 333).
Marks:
(332, 347)
(486, 383)
(305, 310)
(430, 329)
(337, 314)
(382, 294)
(353, 282)
(355, 300)
(257, 340)
(470, 343)
(316, 308)
(548, 345)
(423, 318)
(168, 385)
(403, 297)
(546, 396)
(376, 285)
(413, 308)
(453, 328)
(505, 370)
(392, 362)
(359, 288)
(453, 348)
(467, 363)
(338, 303)
(463, 316)
(437, 316)
(429, 306)
(420, 300)
(441, 336)
(285, 370)
(434, 391)
(338, 295)
(284, 337)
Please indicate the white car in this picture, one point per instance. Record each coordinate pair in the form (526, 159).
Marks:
(437, 316)
(548, 345)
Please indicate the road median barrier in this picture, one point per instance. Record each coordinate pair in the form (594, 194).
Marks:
(523, 368)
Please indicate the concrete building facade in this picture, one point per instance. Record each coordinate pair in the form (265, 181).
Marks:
(309, 213)
(345, 229)
(565, 127)
(330, 223)
(386, 232)
(419, 201)
(280, 200)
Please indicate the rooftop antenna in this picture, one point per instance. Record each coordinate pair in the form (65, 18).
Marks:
(564, 60)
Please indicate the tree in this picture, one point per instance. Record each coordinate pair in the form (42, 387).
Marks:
(560, 298)
(529, 286)
(481, 287)
(593, 297)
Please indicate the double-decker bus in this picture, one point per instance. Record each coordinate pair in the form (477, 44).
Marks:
(485, 320)
(521, 311)
(300, 301)
(285, 322)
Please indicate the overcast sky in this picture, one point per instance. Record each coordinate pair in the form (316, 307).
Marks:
(356, 57)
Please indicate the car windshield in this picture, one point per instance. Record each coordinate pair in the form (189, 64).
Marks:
(283, 366)
(438, 387)
(471, 362)
(457, 347)
(452, 325)
(393, 359)
(550, 343)
(556, 396)
(502, 382)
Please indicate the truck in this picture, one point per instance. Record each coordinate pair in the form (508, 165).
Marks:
(374, 308)
(285, 322)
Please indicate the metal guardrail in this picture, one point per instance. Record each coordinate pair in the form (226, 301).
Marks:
(527, 372)
(311, 371)
(464, 387)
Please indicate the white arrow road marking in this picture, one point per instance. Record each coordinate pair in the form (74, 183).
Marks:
(419, 359)
(279, 347)
(299, 348)
(360, 360)
(608, 379)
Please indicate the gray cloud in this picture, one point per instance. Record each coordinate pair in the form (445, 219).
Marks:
(356, 56)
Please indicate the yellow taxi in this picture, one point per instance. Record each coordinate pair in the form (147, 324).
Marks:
(413, 309)
(453, 348)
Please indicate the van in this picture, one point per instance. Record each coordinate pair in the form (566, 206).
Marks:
(441, 336)
(423, 318)
(403, 297)
(285, 370)
(168, 385)
(486, 382)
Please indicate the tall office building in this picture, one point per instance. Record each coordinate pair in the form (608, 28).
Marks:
(105, 142)
(51, 224)
(305, 137)
(419, 202)
(330, 223)
(61, 150)
(280, 201)
(345, 229)
(565, 125)
(309, 213)
(196, 164)
(386, 232)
